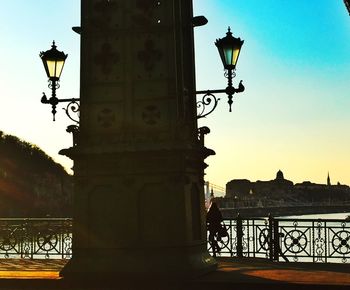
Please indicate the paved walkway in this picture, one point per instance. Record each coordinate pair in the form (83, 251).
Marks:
(30, 269)
(232, 273)
(250, 272)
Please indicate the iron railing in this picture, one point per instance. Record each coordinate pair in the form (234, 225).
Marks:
(36, 238)
(278, 239)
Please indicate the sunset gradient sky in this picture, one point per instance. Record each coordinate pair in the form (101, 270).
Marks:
(294, 114)
(295, 64)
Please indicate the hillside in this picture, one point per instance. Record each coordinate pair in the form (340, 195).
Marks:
(31, 183)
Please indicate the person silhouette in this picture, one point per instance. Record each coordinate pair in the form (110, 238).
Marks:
(214, 219)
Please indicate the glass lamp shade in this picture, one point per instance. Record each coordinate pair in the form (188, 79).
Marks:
(229, 48)
(53, 61)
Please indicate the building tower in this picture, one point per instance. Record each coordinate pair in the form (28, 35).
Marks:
(328, 180)
(279, 175)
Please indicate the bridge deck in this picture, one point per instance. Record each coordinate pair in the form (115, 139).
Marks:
(232, 273)
(30, 269)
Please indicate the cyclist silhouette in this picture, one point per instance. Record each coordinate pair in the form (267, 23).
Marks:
(214, 219)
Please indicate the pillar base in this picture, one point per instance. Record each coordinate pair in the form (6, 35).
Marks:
(160, 263)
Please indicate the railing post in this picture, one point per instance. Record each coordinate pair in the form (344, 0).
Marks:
(270, 238)
(231, 231)
(239, 236)
(276, 240)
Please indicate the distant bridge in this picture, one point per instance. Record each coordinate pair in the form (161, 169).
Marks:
(213, 188)
(287, 210)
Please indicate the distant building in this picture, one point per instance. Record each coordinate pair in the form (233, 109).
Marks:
(242, 187)
(280, 192)
(325, 193)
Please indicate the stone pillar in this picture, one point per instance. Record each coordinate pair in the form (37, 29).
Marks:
(139, 165)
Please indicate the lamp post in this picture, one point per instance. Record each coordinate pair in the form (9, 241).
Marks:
(229, 49)
(53, 61)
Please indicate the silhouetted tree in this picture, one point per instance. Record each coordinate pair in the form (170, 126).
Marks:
(31, 182)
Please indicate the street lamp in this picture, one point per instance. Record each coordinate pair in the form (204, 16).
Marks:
(229, 49)
(53, 61)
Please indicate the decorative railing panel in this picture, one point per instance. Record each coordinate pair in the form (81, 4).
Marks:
(317, 241)
(36, 238)
(299, 240)
(294, 240)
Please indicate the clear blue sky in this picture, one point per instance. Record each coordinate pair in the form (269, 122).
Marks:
(294, 114)
(295, 64)
(26, 28)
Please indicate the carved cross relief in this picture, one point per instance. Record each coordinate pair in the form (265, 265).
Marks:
(106, 58)
(151, 115)
(145, 14)
(150, 55)
(106, 118)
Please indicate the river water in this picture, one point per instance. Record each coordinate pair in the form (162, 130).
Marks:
(319, 216)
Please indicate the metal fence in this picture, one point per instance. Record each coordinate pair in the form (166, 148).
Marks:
(36, 238)
(297, 240)
(309, 240)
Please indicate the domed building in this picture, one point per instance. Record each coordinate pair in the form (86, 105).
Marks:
(239, 188)
(272, 194)
(277, 186)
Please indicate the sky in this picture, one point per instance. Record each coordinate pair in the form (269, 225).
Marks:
(295, 64)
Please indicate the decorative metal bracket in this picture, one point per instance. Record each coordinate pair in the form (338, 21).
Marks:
(209, 99)
(73, 110)
(73, 106)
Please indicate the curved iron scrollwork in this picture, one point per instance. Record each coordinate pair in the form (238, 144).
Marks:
(47, 240)
(208, 100)
(73, 110)
(36, 238)
(73, 106)
(295, 241)
(341, 243)
(66, 246)
(264, 239)
(8, 241)
(219, 241)
(319, 242)
(298, 240)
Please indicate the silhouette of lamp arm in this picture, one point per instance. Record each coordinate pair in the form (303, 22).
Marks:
(53, 61)
(347, 5)
(229, 49)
